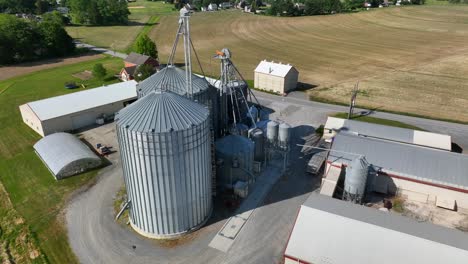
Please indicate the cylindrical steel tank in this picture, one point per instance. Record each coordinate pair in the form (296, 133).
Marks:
(355, 180)
(253, 110)
(173, 79)
(258, 138)
(164, 142)
(237, 154)
(272, 132)
(284, 132)
(233, 96)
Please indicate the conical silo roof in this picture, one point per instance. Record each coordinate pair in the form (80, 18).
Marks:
(161, 112)
(172, 79)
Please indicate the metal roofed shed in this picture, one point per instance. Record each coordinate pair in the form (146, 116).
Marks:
(165, 146)
(328, 230)
(65, 155)
(404, 135)
(235, 160)
(275, 77)
(77, 110)
(416, 171)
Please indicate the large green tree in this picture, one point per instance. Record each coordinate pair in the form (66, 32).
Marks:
(146, 46)
(23, 40)
(99, 12)
(143, 71)
(56, 40)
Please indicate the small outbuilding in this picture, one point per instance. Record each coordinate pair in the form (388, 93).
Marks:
(275, 77)
(65, 155)
(77, 110)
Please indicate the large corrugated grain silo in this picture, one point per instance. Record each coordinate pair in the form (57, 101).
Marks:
(164, 143)
(173, 79)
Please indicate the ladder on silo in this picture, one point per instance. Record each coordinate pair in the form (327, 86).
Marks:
(213, 165)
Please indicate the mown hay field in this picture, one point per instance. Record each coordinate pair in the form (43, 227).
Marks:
(407, 59)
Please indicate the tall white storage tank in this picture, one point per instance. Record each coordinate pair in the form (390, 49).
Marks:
(164, 142)
(355, 180)
(272, 132)
(284, 133)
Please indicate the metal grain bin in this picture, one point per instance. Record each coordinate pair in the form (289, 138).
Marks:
(284, 132)
(355, 180)
(236, 154)
(258, 139)
(173, 79)
(164, 142)
(272, 132)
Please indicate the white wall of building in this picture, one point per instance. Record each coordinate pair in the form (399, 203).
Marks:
(274, 83)
(415, 191)
(30, 119)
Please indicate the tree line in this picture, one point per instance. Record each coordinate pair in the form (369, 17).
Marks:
(322, 7)
(90, 12)
(26, 40)
(26, 6)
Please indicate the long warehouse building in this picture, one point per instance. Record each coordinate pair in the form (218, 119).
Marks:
(328, 230)
(77, 110)
(418, 173)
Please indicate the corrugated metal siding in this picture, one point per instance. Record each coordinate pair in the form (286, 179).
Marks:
(165, 149)
(173, 79)
(62, 149)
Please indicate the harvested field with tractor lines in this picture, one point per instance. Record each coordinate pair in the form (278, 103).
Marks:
(407, 59)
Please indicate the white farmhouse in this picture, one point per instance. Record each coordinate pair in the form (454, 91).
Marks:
(275, 77)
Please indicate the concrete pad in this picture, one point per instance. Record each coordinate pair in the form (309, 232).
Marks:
(231, 229)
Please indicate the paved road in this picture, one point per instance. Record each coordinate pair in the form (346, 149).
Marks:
(100, 50)
(316, 113)
(96, 238)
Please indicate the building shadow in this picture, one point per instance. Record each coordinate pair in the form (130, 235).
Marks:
(456, 148)
(301, 86)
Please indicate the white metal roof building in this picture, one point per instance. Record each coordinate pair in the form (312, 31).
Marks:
(404, 135)
(275, 77)
(332, 231)
(77, 110)
(421, 173)
(65, 155)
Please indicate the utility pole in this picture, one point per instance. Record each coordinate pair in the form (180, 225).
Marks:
(353, 100)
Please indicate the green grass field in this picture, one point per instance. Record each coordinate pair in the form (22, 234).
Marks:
(411, 59)
(35, 195)
(379, 121)
(143, 16)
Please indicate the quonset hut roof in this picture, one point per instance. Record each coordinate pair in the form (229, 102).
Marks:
(414, 162)
(162, 112)
(59, 150)
(172, 79)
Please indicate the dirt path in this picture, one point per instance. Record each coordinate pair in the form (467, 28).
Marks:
(25, 68)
